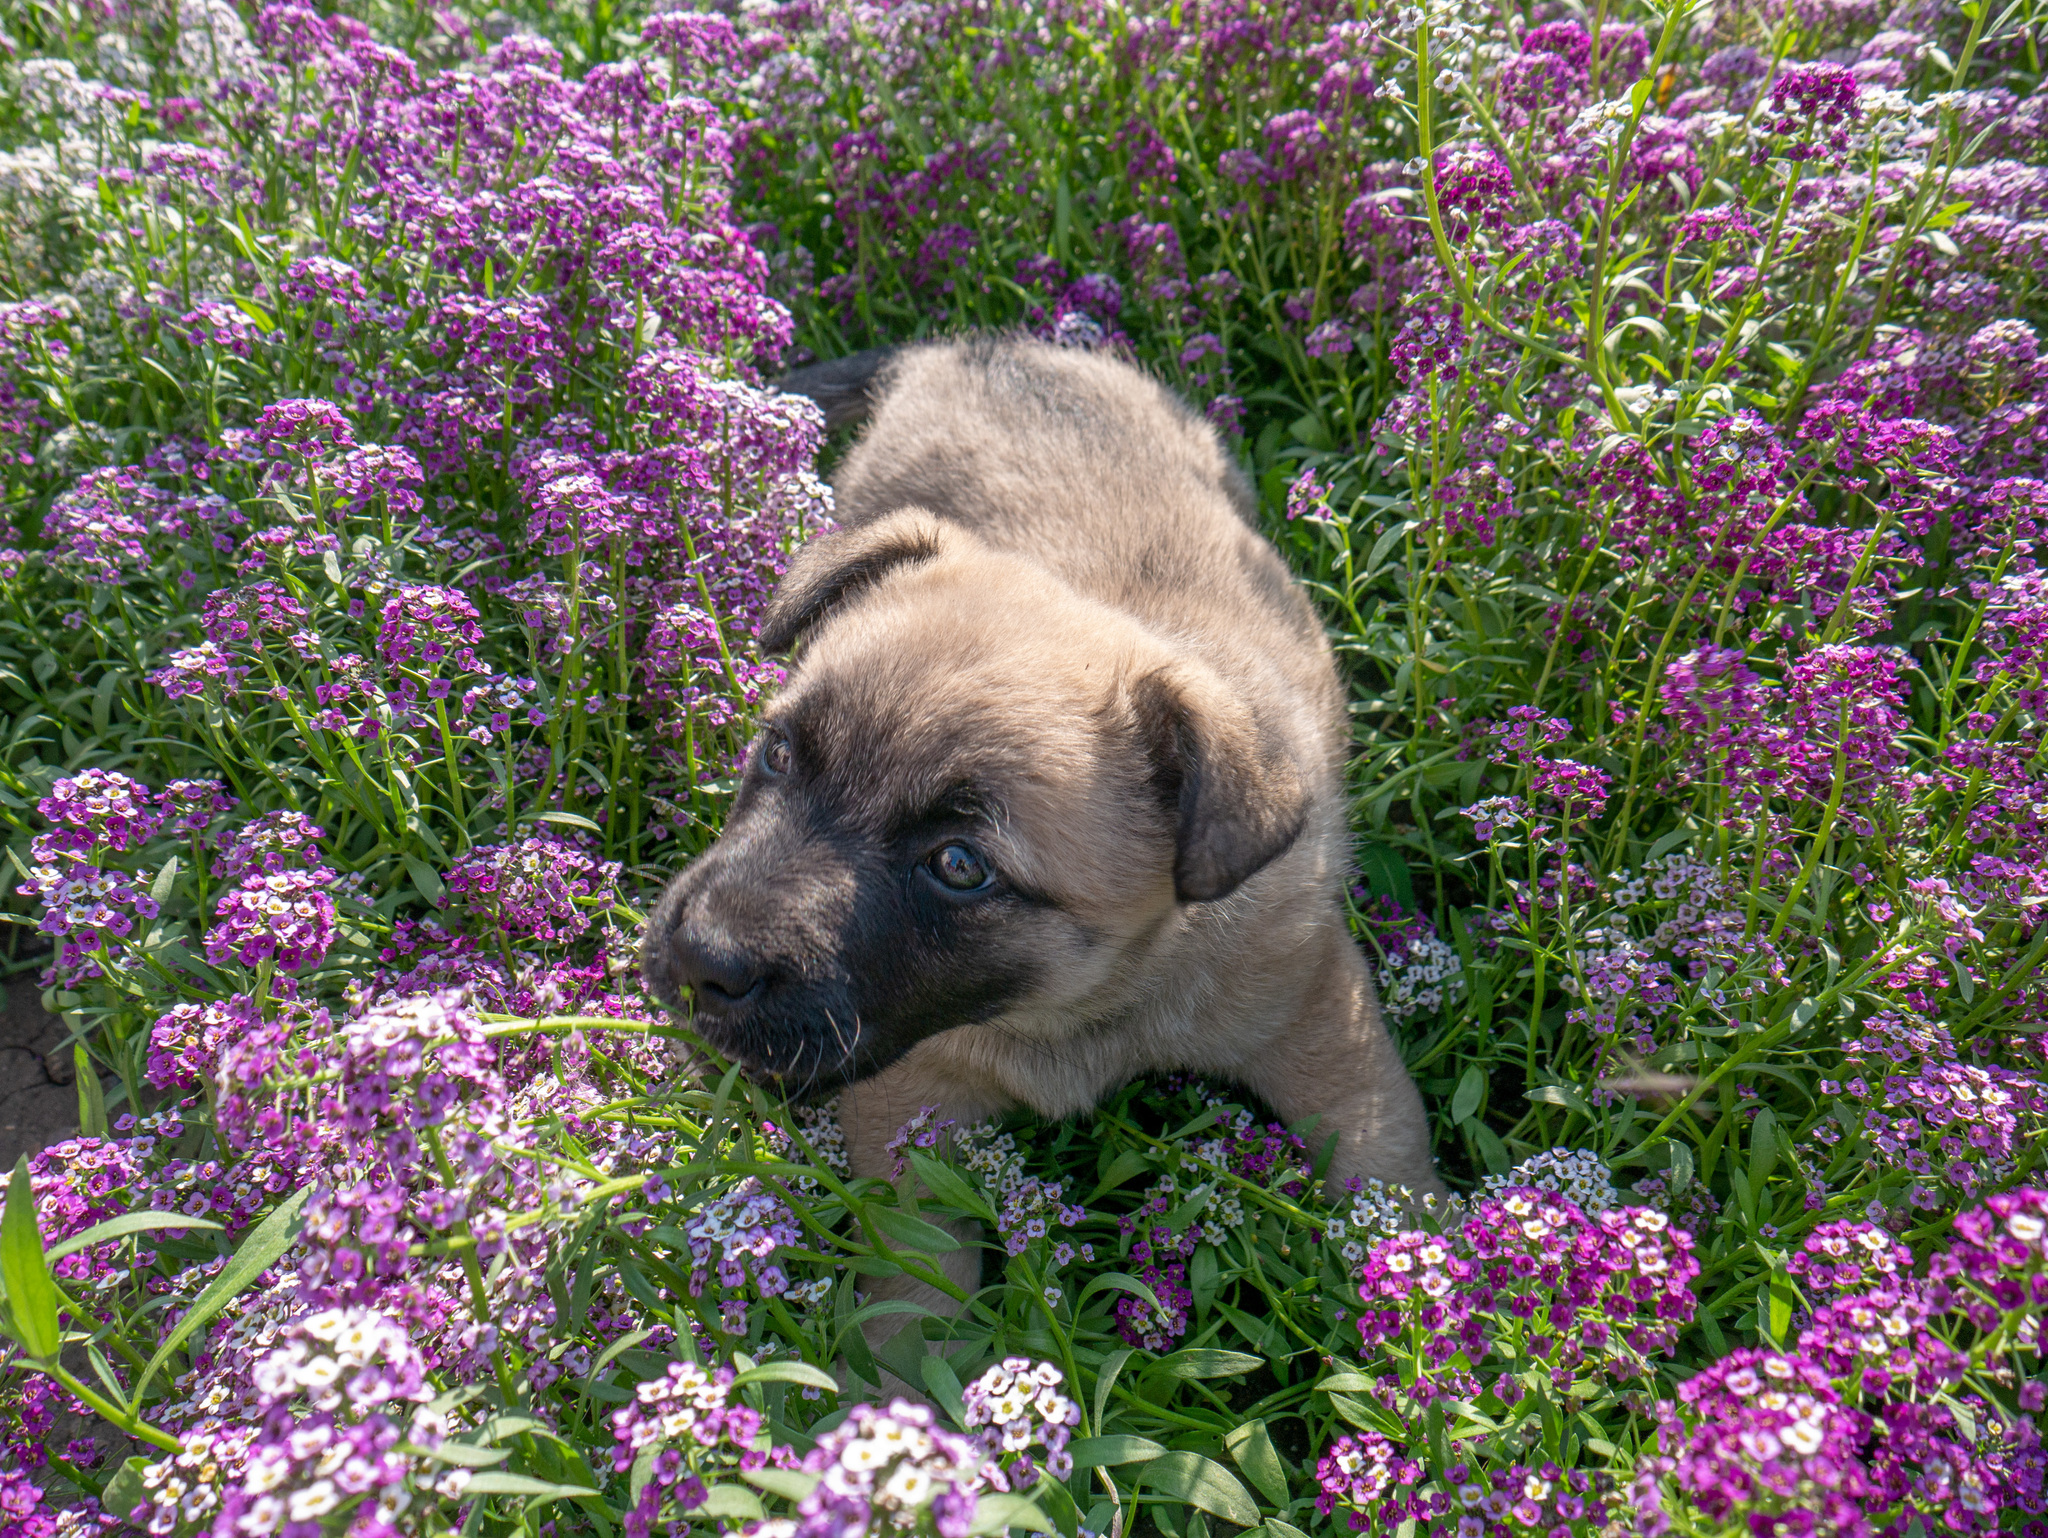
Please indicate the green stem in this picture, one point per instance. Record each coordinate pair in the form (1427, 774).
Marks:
(113, 1414)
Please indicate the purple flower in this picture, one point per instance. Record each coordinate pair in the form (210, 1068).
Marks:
(97, 811)
(1017, 1406)
(544, 887)
(1474, 188)
(275, 842)
(1332, 339)
(308, 429)
(893, 1468)
(1809, 111)
(185, 1045)
(101, 529)
(286, 919)
(1297, 143)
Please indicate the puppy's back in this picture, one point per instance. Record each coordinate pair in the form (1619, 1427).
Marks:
(1090, 467)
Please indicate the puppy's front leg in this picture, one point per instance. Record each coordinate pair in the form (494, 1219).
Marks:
(1337, 1062)
(871, 1113)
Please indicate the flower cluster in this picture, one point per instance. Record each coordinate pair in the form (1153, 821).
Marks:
(682, 1425)
(733, 1241)
(889, 1470)
(1418, 972)
(1028, 1208)
(1373, 1483)
(545, 887)
(1576, 1174)
(1870, 1416)
(1846, 1257)
(285, 920)
(356, 1371)
(1017, 1406)
(1532, 1282)
(185, 1044)
(270, 845)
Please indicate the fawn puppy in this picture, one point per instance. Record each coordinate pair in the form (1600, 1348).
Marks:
(1054, 795)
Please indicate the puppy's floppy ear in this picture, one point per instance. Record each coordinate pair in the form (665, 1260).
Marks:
(1235, 789)
(828, 571)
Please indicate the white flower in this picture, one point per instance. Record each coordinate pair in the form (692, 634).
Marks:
(319, 1372)
(909, 1486)
(265, 1515)
(864, 1455)
(1803, 1436)
(316, 1500)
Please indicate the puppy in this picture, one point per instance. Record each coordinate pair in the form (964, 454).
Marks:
(1054, 795)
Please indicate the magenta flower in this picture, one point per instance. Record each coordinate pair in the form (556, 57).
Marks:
(286, 918)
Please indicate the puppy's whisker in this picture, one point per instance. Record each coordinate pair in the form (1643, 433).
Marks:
(844, 1050)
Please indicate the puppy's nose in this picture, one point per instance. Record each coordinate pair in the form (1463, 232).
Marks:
(718, 974)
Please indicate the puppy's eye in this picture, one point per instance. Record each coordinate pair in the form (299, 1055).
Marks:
(776, 756)
(958, 868)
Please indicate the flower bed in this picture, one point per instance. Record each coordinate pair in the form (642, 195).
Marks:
(1652, 402)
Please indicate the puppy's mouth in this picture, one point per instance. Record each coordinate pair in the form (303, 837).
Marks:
(803, 1053)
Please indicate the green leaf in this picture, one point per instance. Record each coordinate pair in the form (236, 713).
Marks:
(1204, 1484)
(1108, 1452)
(625, 1342)
(31, 1294)
(426, 880)
(1966, 1419)
(570, 820)
(128, 1223)
(1118, 1281)
(1204, 1276)
(1128, 1165)
(643, 1470)
(912, 1232)
(1000, 1513)
(1188, 1129)
(469, 1455)
(788, 1372)
(1203, 1362)
(125, 1491)
(1251, 1446)
(944, 1386)
(731, 1501)
(1471, 1090)
(260, 1249)
(950, 1186)
(92, 1095)
(1386, 542)
(790, 1484)
(1275, 1528)
(1681, 1168)
(1560, 1094)
(1763, 1149)
(494, 1483)
(254, 311)
(1782, 1297)
(160, 889)
(1183, 1216)
(1106, 1375)
(1491, 1148)
(1347, 1383)
(1367, 1416)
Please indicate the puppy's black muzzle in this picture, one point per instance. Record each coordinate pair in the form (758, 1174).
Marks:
(751, 942)
(721, 977)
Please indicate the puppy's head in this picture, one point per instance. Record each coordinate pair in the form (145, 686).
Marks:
(977, 794)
